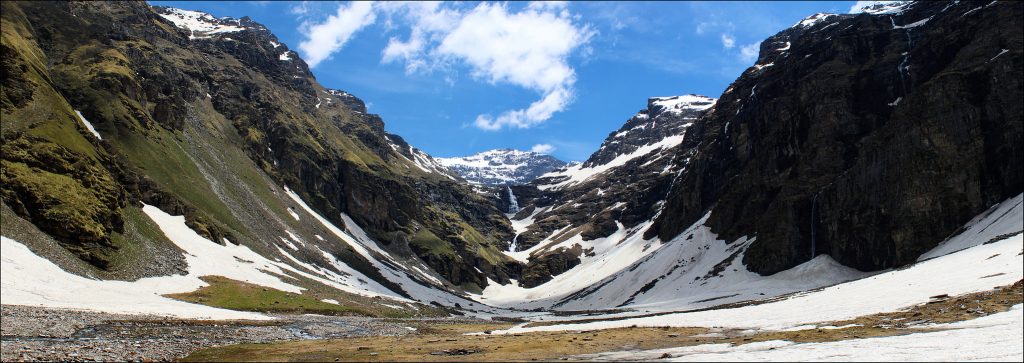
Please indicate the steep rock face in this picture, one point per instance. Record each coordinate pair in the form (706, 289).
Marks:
(181, 99)
(620, 187)
(502, 166)
(866, 137)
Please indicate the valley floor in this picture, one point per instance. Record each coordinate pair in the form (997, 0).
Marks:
(49, 334)
(984, 325)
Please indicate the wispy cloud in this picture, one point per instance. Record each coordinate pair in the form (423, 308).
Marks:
(325, 38)
(728, 41)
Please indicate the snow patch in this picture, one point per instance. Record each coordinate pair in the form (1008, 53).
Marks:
(88, 125)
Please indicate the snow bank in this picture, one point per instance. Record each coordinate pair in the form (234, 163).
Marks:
(976, 269)
(676, 277)
(1002, 219)
(694, 270)
(32, 280)
(997, 337)
(28, 279)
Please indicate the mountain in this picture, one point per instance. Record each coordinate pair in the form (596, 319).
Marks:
(868, 138)
(502, 166)
(117, 113)
(619, 187)
(150, 152)
(855, 141)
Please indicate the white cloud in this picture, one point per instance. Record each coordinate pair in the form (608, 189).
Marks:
(330, 36)
(728, 41)
(529, 48)
(542, 148)
(748, 53)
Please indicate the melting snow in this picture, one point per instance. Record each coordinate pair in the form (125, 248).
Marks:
(88, 125)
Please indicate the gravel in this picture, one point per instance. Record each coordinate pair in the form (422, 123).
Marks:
(45, 334)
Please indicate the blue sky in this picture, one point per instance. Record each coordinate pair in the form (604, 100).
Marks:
(457, 78)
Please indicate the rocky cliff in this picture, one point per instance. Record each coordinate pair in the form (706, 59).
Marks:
(867, 137)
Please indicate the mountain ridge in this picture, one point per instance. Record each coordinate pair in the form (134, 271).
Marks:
(502, 166)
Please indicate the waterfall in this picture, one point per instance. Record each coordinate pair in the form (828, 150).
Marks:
(515, 241)
(513, 204)
(814, 229)
(904, 67)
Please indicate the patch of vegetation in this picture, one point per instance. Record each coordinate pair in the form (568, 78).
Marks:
(236, 295)
(426, 242)
(66, 194)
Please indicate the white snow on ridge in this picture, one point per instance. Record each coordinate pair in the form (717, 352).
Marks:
(499, 166)
(199, 22)
(676, 104)
(997, 337)
(577, 173)
(813, 19)
(88, 125)
(879, 7)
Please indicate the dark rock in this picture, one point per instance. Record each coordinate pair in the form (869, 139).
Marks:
(862, 141)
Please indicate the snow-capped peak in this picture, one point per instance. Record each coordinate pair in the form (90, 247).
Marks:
(200, 24)
(879, 7)
(677, 104)
(813, 19)
(502, 166)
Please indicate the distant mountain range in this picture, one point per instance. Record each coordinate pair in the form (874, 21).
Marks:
(502, 166)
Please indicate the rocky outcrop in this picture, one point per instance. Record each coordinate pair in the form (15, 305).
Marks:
(866, 137)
